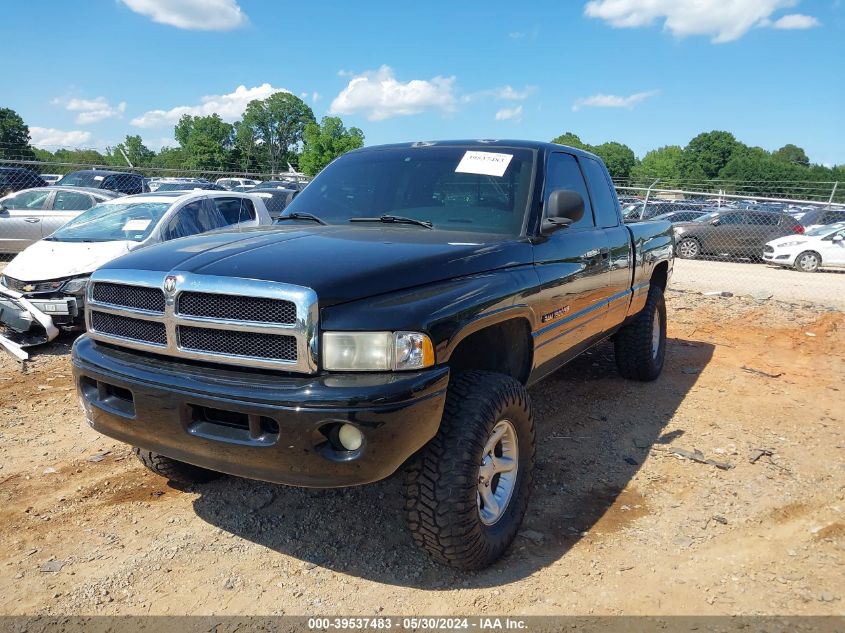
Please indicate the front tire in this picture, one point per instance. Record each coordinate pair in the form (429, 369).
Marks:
(688, 248)
(640, 346)
(467, 491)
(174, 470)
(808, 262)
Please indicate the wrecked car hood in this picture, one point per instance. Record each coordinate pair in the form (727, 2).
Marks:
(53, 260)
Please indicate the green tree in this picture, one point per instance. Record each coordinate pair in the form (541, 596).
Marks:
(14, 136)
(791, 154)
(272, 130)
(663, 163)
(324, 142)
(571, 140)
(618, 157)
(138, 153)
(206, 141)
(707, 154)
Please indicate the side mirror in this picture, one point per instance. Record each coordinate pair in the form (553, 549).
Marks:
(838, 238)
(3, 208)
(715, 222)
(565, 207)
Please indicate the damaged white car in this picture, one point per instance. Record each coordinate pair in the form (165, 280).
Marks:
(43, 288)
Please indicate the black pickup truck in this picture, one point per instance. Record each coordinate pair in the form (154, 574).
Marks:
(394, 317)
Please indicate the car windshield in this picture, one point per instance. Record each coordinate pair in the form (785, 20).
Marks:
(704, 219)
(483, 190)
(824, 230)
(132, 221)
(179, 186)
(81, 179)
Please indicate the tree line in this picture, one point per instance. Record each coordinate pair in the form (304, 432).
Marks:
(273, 134)
(281, 130)
(718, 160)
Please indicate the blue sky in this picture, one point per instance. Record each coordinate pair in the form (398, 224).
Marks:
(85, 74)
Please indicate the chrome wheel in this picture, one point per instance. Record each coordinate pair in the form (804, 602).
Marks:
(497, 473)
(655, 335)
(688, 249)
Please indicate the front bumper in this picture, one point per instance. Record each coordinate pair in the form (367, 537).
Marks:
(780, 258)
(26, 322)
(258, 424)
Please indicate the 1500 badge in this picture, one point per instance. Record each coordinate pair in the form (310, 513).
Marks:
(551, 316)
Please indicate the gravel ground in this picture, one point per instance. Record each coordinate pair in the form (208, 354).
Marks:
(825, 288)
(620, 520)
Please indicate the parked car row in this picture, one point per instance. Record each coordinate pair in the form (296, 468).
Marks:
(51, 273)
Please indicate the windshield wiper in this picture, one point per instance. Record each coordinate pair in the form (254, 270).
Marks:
(394, 219)
(301, 216)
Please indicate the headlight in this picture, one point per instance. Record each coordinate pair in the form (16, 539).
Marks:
(786, 244)
(376, 351)
(75, 286)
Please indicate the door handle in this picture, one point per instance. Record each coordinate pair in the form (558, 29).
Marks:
(32, 220)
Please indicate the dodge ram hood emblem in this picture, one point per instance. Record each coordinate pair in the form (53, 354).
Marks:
(170, 284)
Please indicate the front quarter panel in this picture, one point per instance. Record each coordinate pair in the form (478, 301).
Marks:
(447, 311)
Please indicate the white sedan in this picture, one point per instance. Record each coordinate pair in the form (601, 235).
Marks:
(820, 247)
(44, 286)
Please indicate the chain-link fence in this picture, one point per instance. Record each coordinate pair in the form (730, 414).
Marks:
(734, 235)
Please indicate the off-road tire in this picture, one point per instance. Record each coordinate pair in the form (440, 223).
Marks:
(801, 268)
(692, 253)
(174, 470)
(636, 358)
(441, 481)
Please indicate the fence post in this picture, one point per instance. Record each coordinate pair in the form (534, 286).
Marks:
(833, 193)
(647, 195)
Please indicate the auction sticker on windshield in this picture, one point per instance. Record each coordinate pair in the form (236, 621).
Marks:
(484, 163)
(136, 225)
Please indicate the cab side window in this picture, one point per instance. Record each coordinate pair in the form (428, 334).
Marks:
(27, 200)
(72, 201)
(563, 172)
(603, 195)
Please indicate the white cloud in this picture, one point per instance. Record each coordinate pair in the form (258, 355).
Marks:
(51, 137)
(506, 114)
(517, 35)
(722, 20)
(315, 97)
(612, 101)
(379, 95)
(230, 107)
(503, 93)
(199, 15)
(91, 110)
(796, 21)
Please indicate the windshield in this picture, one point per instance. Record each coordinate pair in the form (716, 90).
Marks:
(113, 222)
(453, 188)
(81, 179)
(179, 186)
(824, 230)
(704, 219)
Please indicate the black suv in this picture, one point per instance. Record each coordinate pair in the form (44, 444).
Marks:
(18, 178)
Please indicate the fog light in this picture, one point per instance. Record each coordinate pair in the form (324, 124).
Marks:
(350, 437)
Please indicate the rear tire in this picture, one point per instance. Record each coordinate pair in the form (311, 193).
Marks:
(808, 262)
(460, 507)
(640, 345)
(173, 469)
(688, 248)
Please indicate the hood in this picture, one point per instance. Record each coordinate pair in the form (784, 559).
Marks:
(793, 237)
(47, 259)
(339, 263)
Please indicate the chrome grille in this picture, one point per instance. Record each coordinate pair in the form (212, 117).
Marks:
(129, 328)
(246, 322)
(137, 297)
(248, 344)
(236, 308)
